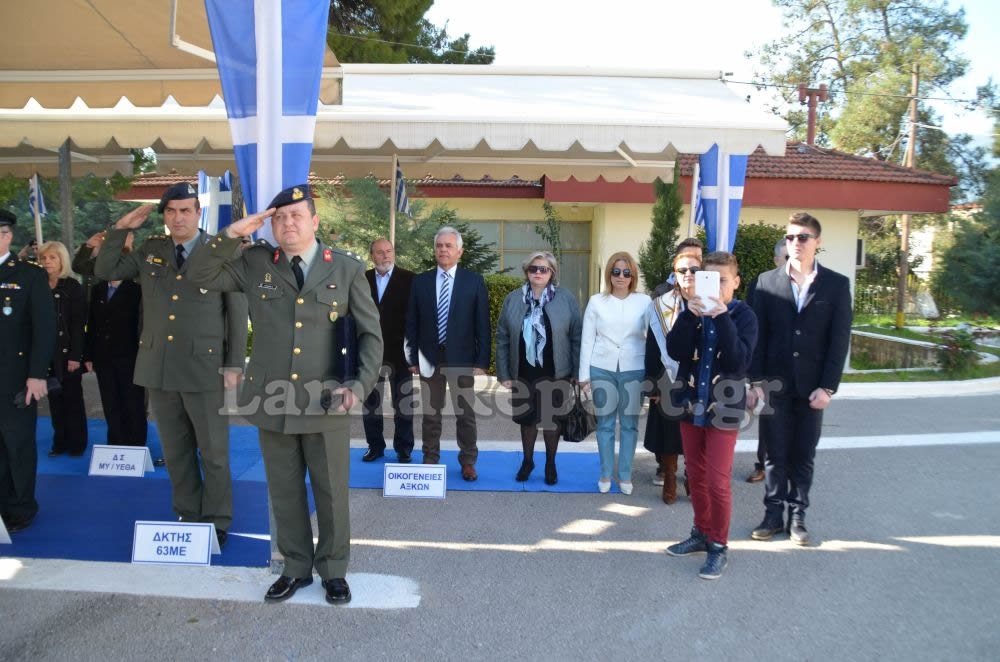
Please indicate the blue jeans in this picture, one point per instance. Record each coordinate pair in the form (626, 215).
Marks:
(616, 396)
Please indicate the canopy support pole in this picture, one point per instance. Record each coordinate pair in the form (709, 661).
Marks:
(66, 196)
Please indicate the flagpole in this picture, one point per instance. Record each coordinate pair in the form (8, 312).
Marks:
(38, 218)
(392, 201)
(694, 197)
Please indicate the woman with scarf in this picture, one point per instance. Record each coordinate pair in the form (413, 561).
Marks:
(663, 430)
(538, 347)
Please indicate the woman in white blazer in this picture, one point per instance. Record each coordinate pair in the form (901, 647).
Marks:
(612, 364)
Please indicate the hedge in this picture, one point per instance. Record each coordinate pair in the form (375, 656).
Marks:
(754, 250)
(498, 287)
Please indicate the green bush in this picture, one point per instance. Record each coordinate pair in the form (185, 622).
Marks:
(754, 250)
(498, 287)
(958, 352)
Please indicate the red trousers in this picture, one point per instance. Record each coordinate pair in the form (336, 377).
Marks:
(708, 458)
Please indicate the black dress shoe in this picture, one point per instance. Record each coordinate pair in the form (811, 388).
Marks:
(403, 457)
(159, 462)
(372, 455)
(222, 536)
(527, 466)
(55, 453)
(551, 477)
(337, 591)
(797, 532)
(767, 529)
(15, 525)
(285, 588)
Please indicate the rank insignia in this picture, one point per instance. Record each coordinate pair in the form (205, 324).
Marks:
(267, 277)
(203, 290)
(327, 255)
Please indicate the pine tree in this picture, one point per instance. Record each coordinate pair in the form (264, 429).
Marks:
(656, 253)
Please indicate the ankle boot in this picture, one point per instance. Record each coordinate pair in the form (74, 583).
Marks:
(669, 479)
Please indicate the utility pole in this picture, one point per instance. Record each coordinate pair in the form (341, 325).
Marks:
(904, 239)
(812, 95)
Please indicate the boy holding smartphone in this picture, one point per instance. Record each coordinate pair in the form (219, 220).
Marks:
(713, 342)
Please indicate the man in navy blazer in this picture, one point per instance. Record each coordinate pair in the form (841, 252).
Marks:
(804, 316)
(448, 343)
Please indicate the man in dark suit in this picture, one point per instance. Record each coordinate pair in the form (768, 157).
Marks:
(390, 287)
(27, 342)
(448, 343)
(111, 347)
(804, 314)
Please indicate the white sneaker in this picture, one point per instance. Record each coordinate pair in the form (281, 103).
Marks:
(603, 486)
(625, 486)
(658, 481)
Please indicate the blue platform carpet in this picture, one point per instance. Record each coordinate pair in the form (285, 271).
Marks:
(578, 472)
(90, 518)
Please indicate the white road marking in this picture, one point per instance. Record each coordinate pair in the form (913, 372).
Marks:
(368, 590)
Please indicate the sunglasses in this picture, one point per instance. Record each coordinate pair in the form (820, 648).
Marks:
(621, 272)
(684, 270)
(802, 237)
(538, 269)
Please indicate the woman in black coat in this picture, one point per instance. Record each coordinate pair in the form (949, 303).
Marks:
(69, 418)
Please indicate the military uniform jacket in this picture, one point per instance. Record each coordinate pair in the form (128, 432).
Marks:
(27, 324)
(188, 333)
(292, 360)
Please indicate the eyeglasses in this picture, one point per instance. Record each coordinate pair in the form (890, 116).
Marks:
(803, 237)
(538, 269)
(621, 272)
(684, 270)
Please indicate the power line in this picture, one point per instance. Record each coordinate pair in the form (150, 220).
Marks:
(401, 43)
(971, 102)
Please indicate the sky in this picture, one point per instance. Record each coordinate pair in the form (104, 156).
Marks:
(710, 34)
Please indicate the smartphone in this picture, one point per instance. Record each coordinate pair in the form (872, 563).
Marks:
(706, 284)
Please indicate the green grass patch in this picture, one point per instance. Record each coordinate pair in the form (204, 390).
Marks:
(863, 319)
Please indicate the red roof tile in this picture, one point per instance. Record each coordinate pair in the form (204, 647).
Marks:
(802, 161)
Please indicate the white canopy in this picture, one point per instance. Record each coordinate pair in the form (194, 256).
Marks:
(446, 120)
(102, 50)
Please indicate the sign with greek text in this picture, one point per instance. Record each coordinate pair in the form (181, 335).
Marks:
(131, 461)
(421, 481)
(174, 543)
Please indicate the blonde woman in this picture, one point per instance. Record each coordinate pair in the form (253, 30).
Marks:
(69, 418)
(612, 362)
(538, 342)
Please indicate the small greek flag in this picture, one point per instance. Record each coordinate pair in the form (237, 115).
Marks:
(215, 195)
(35, 194)
(402, 201)
(719, 197)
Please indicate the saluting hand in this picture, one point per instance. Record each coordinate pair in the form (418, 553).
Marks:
(134, 218)
(247, 226)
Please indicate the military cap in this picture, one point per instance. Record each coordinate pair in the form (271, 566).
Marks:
(179, 191)
(7, 218)
(291, 195)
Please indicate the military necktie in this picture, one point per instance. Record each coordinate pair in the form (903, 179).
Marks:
(180, 255)
(297, 270)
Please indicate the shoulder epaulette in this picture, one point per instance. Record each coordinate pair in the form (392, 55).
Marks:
(157, 236)
(263, 243)
(347, 253)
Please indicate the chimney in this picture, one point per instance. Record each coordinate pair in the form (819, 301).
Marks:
(810, 94)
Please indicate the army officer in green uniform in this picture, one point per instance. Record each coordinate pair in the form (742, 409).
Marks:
(296, 294)
(27, 341)
(193, 344)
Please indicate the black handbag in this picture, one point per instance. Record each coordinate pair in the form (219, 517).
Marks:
(580, 421)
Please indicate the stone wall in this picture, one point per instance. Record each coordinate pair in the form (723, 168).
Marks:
(894, 352)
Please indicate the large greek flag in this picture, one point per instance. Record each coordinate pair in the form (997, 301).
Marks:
(270, 59)
(215, 195)
(35, 193)
(719, 197)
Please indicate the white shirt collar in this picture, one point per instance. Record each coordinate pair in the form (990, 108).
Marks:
(788, 268)
(450, 272)
(386, 274)
(3, 258)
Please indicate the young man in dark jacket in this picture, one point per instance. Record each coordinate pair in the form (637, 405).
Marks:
(713, 342)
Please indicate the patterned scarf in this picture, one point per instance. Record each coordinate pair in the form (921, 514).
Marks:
(533, 327)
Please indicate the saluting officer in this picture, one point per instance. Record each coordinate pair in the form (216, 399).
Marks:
(296, 295)
(189, 336)
(27, 341)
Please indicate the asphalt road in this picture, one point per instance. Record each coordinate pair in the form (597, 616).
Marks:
(906, 566)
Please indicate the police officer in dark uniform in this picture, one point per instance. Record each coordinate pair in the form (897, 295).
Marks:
(299, 295)
(27, 342)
